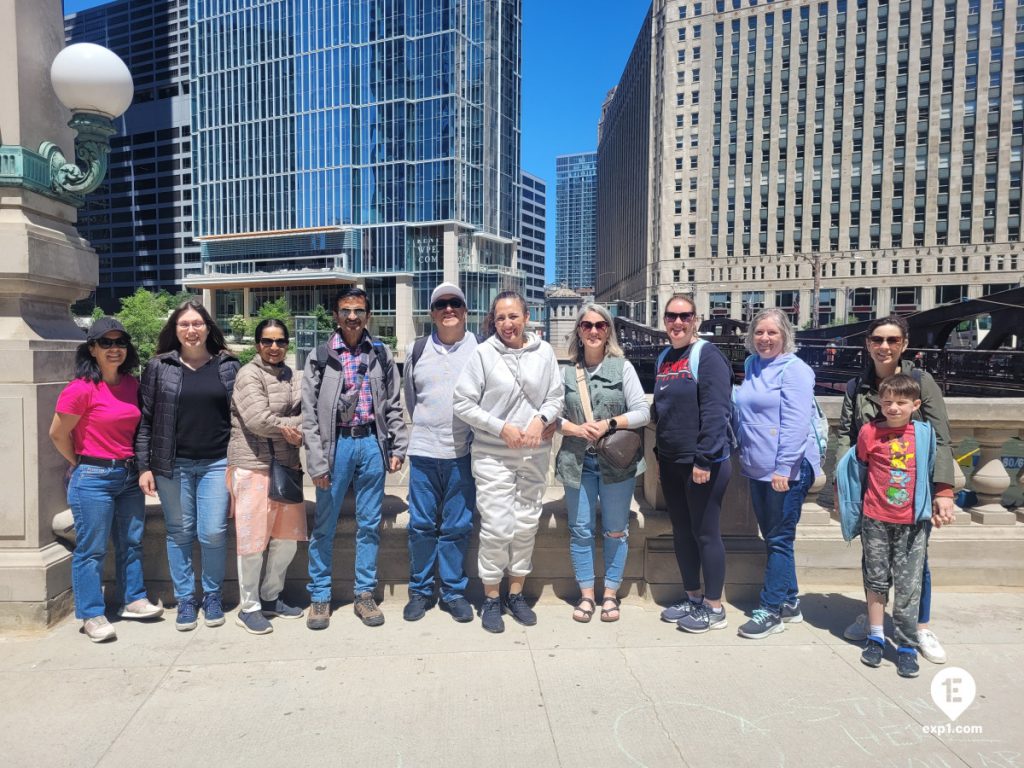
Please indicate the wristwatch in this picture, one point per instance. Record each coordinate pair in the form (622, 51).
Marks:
(543, 418)
(612, 425)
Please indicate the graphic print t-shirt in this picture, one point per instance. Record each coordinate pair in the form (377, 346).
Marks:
(891, 456)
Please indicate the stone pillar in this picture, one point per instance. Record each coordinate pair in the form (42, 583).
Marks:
(990, 481)
(46, 266)
(405, 328)
(246, 302)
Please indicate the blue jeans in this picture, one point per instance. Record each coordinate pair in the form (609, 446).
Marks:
(581, 505)
(356, 459)
(106, 500)
(442, 496)
(777, 515)
(195, 502)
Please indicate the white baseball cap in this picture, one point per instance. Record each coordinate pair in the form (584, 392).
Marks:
(447, 289)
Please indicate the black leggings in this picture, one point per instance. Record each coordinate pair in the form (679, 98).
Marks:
(695, 511)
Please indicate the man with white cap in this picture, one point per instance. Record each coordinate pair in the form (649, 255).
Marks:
(442, 494)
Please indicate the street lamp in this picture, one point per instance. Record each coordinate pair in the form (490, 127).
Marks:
(97, 87)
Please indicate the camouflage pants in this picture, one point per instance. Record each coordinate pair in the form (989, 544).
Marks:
(894, 557)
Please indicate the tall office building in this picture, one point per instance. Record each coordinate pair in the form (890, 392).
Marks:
(140, 218)
(877, 142)
(361, 141)
(576, 219)
(533, 243)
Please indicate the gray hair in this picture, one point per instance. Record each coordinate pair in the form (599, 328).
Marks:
(611, 344)
(781, 320)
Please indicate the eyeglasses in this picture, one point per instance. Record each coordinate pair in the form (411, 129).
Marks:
(442, 304)
(601, 325)
(349, 312)
(197, 324)
(671, 317)
(279, 343)
(892, 341)
(121, 342)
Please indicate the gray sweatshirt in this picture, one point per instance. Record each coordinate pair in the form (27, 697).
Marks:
(436, 433)
(500, 385)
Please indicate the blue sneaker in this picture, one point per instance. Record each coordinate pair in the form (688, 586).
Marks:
(791, 613)
(702, 618)
(187, 618)
(213, 611)
(906, 663)
(874, 650)
(674, 613)
(762, 623)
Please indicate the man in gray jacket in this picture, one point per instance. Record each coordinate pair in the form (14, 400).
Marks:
(354, 431)
(442, 494)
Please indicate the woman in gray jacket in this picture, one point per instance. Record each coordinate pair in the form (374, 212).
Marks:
(509, 390)
(264, 417)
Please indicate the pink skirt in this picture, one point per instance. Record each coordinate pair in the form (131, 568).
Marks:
(257, 518)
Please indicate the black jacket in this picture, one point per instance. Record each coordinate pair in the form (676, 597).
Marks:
(158, 399)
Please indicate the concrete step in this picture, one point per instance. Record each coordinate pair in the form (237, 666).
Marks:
(967, 555)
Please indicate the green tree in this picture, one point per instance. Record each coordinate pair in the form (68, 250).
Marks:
(277, 310)
(143, 315)
(97, 313)
(324, 318)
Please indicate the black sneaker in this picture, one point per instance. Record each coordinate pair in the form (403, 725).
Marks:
(703, 618)
(319, 616)
(490, 615)
(873, 652)
(417, 607)
(906, 663)
(791, 613)
(516, 607)
(281, 609)
(459, 608)
(255, 623)
(762, 624)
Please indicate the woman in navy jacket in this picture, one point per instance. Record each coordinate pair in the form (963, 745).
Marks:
(692, 405)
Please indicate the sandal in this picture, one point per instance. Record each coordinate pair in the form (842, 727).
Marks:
(586, 615)
(606, 613)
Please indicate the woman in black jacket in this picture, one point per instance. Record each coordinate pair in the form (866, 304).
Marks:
(182, 448)
(692, 392)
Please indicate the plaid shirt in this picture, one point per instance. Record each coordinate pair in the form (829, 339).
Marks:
(350, 360)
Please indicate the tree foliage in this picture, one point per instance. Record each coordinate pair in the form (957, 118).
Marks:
(143, 315)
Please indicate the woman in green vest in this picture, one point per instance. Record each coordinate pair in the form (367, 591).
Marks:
(612, 398)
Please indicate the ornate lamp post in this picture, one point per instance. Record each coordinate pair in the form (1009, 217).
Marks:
(45, 266)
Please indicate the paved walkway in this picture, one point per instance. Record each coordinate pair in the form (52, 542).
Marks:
(434, 693)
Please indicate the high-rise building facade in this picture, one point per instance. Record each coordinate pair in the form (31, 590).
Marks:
(139, 220)
(533, 242)
(369, 141)
(576, 219)
(878, 142)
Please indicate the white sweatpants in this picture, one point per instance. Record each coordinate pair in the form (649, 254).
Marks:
(279, 555)
(509, 495)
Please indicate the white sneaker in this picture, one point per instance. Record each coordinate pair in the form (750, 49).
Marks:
(929, 646)
(858, 631)
(99, 629)
(141, 609)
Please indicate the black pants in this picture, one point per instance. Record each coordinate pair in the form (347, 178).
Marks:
(695, 511)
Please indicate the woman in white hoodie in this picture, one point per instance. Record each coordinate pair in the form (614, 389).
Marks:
(507, 393)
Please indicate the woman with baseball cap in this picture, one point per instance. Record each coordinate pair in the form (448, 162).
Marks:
(94, 428)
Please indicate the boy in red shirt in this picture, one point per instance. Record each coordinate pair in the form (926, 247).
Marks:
(896, 509)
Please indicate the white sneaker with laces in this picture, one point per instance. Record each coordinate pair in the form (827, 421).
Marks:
(141, 609)
(930, 647)
(99, 629)
(858, 631)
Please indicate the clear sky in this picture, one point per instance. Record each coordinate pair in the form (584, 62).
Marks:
(573, 52)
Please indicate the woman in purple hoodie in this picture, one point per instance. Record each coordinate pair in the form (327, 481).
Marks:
(779, 455)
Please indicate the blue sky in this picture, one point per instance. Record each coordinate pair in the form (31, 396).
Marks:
(573, 52)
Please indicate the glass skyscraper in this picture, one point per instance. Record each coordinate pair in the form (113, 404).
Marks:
(374, 141)
(576, 220)
(533, 241)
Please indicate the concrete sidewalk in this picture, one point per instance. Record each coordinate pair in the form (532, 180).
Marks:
(435, 693)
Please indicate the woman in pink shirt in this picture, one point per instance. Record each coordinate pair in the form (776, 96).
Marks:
(94, 429)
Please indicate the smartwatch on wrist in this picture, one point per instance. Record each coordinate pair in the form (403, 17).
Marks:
(612, 425)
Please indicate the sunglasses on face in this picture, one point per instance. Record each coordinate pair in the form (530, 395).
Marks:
(442, 304)
(671, 317)
(279, 343)
(601, 325)
(120, 342)
(892, 341)
(348, 312)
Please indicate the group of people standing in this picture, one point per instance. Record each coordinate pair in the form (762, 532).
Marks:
(202, 433)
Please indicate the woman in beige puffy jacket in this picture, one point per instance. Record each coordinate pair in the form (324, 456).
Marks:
(264, 412)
